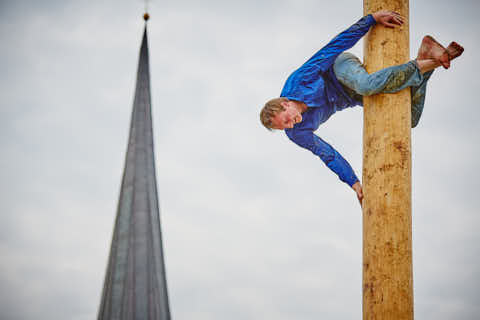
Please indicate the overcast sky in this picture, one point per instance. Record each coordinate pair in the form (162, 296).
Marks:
(254, 227)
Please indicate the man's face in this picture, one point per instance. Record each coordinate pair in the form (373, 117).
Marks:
(286, 118)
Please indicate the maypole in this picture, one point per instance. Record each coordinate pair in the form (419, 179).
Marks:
(387, 222)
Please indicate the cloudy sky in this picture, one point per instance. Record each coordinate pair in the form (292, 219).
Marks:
(254, 227)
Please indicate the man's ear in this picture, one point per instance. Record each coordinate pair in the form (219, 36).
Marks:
(285, 104)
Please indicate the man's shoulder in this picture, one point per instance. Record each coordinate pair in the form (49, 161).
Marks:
(299, 131)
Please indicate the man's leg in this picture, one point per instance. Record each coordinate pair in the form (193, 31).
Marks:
(431, 54)
(418, 98)
(351, 73)
(454, 50)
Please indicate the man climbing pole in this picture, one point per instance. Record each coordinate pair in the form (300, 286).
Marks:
(332, 80)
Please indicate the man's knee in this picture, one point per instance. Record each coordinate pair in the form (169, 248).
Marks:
(359, 81)
(364, 89)
(416, 114)
(415, 120)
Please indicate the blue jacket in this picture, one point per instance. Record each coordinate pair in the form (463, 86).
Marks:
(315, 84)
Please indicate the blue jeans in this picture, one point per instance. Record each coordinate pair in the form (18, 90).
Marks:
(358, 83)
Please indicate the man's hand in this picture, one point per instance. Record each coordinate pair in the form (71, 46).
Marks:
(358, 189)
(389, 19)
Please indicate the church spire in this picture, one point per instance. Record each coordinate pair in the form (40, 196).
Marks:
(135, 282)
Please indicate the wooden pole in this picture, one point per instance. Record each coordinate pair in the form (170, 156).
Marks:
(387, 221)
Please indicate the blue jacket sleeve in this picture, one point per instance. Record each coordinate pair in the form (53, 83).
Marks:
(325, 57)
(308, 140)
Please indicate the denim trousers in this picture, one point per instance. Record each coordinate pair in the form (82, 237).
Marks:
(358, 83)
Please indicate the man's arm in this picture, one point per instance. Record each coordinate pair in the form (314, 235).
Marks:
(357, 187)
(333, 159)
(325, 57)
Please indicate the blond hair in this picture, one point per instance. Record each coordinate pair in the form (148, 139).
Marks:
(270, 110)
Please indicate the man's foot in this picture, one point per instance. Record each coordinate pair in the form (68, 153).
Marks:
(431, 49)
(454, 50)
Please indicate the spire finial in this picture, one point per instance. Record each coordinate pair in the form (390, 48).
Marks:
(146, 16)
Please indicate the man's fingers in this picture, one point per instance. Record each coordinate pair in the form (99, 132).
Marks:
(398, 17)
(398, 20)
(391, 23)
(396, 14)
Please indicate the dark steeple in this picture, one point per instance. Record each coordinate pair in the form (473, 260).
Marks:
(135, 283)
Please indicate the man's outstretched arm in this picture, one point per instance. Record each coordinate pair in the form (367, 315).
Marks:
(357, 187)
(334, 161)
